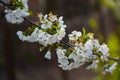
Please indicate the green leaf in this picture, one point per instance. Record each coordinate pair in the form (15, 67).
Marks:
(93, 23)
(30, 12)
(90, 34)
(84, 31)
(29, 31)
(42, 49)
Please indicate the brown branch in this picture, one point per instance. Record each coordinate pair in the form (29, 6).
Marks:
(31, 22)
(114, 59)
(2, 2)
(67, 44)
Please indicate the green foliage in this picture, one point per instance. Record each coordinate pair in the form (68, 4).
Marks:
(52, 30)
(84, 31)
(98, 77)
(29, 31)
(93, 23)
(113, 43)
(109, 3)
(42, 48)
(86, 36)
(18, 4)
(30, 12)
(113, 5)
(68, 52)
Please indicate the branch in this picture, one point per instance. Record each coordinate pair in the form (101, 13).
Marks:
(31, 22)
(2, 2)
(67, 44)
(114, 59)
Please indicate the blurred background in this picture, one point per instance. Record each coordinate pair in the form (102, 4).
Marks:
(23, 61)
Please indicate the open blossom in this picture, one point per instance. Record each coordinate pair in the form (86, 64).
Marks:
(83, 52)
(104, 50)
(72, 60)
(62, 59)
(60, 20)
(61, 53)
(31, 38)
(50, 39)
(74, 57)
(48, 55)
(53, 17)
(46, 25)
(49, 33)
(93, 65)
(52, 30)
(104, 58)
(111, 68)
(42, 37)
(96, 43)
(75, 35)
(89, 45)
(16, 16)
(69, 61)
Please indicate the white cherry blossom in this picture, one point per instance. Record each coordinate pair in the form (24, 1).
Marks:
(16, 16)
(48, 55)
(93, 65)
(104, 49)
(111, 68)
(75, 35)
(42, 36)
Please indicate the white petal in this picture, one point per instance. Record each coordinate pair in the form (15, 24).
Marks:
(48, 55)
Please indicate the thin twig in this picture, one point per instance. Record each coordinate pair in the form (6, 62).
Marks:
(31, 22)
(67, 44)
(4, 3)
(114, 59)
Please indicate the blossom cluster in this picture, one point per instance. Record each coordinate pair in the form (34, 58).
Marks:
(84, 50)
(19, 9)
(52, 30)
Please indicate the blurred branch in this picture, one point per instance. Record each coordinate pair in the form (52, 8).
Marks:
(67, 44)
(31, 22)
(2, 2)
(114, 59)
